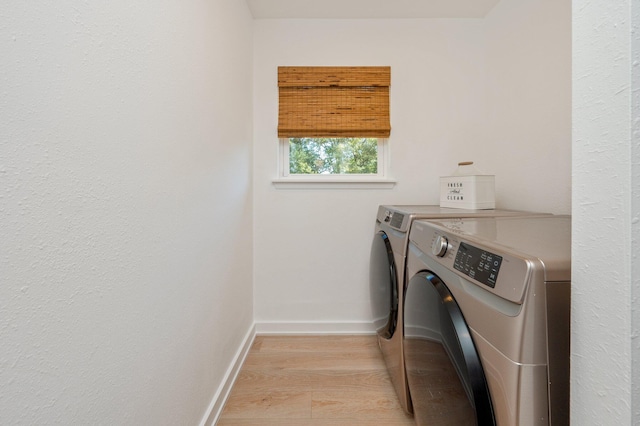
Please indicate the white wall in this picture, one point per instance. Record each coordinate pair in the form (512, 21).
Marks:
(125, 208)
(605, 353)
(312, 246)
(634, 15)
(529, 103)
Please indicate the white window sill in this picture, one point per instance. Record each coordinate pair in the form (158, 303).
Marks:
(333, 182)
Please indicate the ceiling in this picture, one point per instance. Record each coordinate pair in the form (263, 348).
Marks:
(369, 9)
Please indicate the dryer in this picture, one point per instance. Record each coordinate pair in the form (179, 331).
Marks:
(387, 278)
(487, 321)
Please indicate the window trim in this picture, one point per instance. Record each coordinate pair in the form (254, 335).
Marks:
(380, 180)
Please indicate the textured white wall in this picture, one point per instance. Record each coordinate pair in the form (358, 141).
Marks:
(312, 246)
(125, 208)
(603, 122)
(635, 213)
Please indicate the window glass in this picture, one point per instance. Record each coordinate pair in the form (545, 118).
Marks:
(333, 156)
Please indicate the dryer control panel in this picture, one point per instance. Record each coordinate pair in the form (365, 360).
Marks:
(505, 274)
(481, 265)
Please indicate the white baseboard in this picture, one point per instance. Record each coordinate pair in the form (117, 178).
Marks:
(314, 327)
(220, 397)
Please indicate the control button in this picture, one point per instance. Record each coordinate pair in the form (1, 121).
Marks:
(440, 246)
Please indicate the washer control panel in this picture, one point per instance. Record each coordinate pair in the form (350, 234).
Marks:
(397, 219)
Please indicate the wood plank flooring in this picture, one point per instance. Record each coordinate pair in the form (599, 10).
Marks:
(316, 381)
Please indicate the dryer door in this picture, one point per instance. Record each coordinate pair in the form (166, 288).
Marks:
(446, 379)
(383, 279)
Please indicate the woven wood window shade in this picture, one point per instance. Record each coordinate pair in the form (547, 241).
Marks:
(334, 102)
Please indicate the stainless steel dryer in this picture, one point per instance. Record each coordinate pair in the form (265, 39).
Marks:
(387, 278)
(487, 321)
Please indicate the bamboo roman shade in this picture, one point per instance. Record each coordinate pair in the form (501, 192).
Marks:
(334, 102)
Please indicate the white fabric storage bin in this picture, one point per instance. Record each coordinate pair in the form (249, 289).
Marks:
(468, 188)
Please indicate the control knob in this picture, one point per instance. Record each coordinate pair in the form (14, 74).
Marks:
(440, 246)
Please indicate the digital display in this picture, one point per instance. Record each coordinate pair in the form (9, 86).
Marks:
(396, 220)
(478, 264)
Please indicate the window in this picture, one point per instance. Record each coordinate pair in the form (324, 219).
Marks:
(333, 156)
(333, 123)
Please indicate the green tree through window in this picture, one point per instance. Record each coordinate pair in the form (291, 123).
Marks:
(333, 155)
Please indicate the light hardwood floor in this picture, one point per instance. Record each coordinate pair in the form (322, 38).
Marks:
(313, 380)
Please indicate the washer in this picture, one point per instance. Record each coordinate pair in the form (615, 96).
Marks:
(387, 278)
(487, 321)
